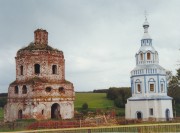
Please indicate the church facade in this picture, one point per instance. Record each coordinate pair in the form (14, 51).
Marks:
(40, 90)
(148, 85)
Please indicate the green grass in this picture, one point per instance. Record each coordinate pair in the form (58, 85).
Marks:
(94, 100)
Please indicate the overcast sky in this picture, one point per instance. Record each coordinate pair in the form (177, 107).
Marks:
(99, 38)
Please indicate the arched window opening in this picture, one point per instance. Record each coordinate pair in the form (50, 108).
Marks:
(156, 56)
(151, 111)
(148, 56)
(16, 90)
(24, 89)
(20, 114)
(61, 90)
(139, 115)
(141, 56)
(37, 69)
(167, 113)
(162, 87)
(48, 89)
(139, 88)
(152, 87)
(21, 70)
(54, 69)
(42, 111)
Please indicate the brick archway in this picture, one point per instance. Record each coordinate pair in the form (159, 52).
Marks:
(55, 111)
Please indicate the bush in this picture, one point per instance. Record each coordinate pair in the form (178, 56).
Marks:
(84, 106)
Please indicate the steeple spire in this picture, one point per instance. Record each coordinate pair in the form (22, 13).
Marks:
(146, 39)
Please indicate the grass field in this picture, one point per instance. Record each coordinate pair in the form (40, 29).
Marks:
(94, 100)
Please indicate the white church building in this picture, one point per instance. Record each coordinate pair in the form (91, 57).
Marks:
(148, 85)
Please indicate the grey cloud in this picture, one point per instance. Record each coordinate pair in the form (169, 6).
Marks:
(99, 38)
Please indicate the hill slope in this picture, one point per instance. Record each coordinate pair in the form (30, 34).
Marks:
(94, 100)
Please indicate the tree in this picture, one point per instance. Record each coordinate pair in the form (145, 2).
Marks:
(119, 95)
(119, 103)
(169, 76)
(174, 87)
(174, 90)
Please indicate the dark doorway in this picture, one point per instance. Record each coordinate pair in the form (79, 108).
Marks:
(20, 114)
(55, 111)
(37, 69)
(139, 115)
(167, 114)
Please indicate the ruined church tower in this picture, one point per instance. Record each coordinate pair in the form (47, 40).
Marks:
(40, 90)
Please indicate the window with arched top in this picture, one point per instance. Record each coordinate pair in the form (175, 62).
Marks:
(24, 89)
(141, 55)
(54, 69)
(21, 70)
(16, 90)
(148, 56)
(139, 88)
(151, 85)
(42, 111)
(37, 69)
(162, 85)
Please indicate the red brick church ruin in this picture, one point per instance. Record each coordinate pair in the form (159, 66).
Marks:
(40, 90)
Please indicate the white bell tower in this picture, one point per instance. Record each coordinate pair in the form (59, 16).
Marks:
(148, 85)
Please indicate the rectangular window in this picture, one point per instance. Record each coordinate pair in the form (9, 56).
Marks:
(151, 111)
(151, 87)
